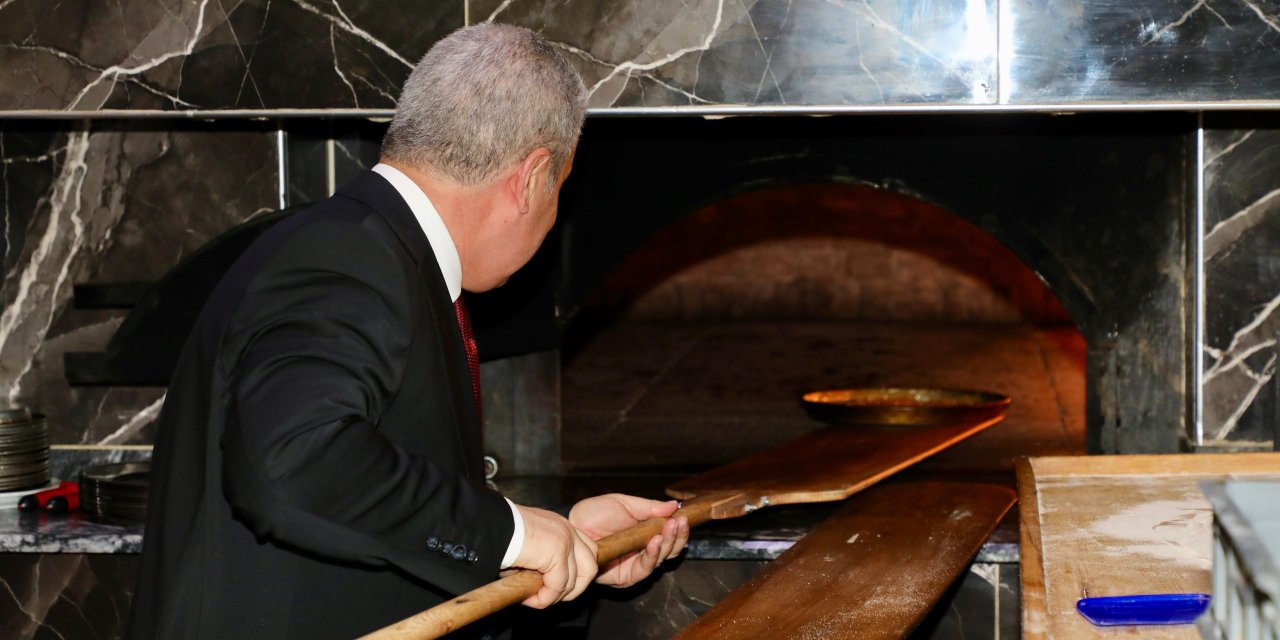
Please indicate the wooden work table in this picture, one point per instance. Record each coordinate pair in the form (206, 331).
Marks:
(1118, 525)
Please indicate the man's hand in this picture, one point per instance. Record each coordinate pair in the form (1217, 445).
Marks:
(564, 556)
(603, 515)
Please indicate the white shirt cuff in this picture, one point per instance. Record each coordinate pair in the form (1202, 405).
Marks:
(517, 538)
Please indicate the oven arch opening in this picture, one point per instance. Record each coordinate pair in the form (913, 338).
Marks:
(1096, 205)
(707, 331)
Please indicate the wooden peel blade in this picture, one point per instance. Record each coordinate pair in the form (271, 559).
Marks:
(829, 464)
(872, 571)
(824, 466)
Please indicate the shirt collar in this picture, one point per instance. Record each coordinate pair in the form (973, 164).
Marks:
(432, 225)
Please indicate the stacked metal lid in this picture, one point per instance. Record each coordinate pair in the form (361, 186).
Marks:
(116, 491)
(24, 450)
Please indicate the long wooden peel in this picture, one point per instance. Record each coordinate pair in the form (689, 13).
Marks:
(826, 465)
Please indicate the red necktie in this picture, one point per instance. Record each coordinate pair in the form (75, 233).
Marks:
(473, 354)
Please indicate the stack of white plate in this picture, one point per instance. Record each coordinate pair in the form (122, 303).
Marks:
(24, 450)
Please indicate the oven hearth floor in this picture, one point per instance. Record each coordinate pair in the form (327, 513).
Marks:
(674, 398)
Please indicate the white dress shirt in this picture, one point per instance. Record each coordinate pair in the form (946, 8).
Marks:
(451, 267)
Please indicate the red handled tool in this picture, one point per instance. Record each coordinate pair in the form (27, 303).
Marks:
(65, 496)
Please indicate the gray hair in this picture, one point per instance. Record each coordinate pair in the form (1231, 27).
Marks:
(484, 98)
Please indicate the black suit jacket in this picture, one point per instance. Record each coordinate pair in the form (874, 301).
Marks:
(320, 428)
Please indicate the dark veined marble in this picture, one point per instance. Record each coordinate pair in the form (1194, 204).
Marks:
(213, 54)
(323, 155)
(108, 202)
(68, 596)
(354, 54)
(65, 462)
(767, 52)
(1242, 278)
(1126, 50)
(983, 603)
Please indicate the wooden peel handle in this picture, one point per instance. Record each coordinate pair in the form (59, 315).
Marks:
(518, 586)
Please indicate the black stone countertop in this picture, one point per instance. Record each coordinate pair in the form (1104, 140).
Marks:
(74, 532)
(763, 535)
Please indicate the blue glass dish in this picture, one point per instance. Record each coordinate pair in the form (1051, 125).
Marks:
(1164, 608)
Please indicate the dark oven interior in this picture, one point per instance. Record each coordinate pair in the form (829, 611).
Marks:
(712, 271)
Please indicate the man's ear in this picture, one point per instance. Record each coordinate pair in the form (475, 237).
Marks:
(530, 176)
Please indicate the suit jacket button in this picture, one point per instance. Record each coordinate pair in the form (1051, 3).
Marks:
(459, 552)
(472, 556)
(433, 543)
(446, 549)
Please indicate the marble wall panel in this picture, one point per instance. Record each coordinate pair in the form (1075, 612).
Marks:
(66, 461)
(767, 52)
(1241, 254)
(656, 609)
(213, 54)
(1127, 50)
(66, 596)
(325, 54)
(108, 202)
(982, 603)
(323, 155)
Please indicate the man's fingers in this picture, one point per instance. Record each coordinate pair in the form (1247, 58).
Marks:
(571, 579)
(579, 586)
(586, 572)
(643, 508)
(682, 534)
(668, 541)
(558, 550)
(664, 509)
(652, 556)
(637, 566)
(600, 516)
(553, 585)
(545, 597)
(540, 600)
(592, 548)
(638, 508)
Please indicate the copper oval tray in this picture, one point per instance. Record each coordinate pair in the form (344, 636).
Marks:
(902, 406)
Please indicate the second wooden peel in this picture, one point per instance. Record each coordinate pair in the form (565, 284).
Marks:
(873, 570)
(824, 466)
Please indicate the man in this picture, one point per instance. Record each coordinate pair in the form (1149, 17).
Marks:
(317, 471)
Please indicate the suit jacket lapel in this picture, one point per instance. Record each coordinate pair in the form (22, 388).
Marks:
(374, 190)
